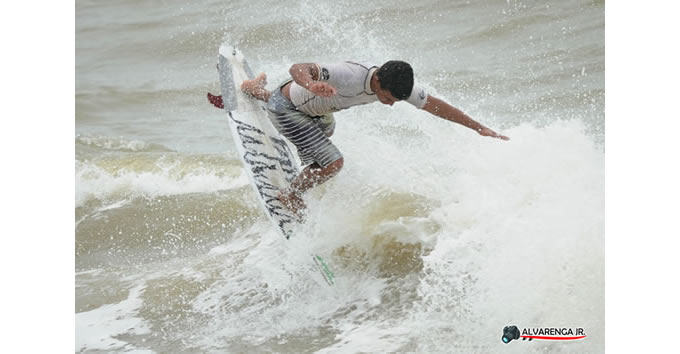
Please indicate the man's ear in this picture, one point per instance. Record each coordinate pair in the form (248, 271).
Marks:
(377, 81)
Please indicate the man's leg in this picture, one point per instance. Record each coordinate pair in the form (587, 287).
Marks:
(311, 176)
(316, 151)
(314, 175)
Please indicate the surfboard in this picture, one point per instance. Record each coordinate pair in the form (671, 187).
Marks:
(268, 160)
(266, 157)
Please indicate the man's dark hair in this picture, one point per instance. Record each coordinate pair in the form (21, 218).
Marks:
(397, 77)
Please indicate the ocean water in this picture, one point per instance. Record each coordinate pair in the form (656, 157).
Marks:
(438, 237)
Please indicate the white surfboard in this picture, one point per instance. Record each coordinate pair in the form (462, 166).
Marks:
(268, 160)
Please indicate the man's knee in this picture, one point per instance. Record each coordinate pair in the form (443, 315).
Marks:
(336, 165)
(333, 166)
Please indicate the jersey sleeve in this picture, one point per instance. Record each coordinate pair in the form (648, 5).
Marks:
(340, 75)
(418, 96)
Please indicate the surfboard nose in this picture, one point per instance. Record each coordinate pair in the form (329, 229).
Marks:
(229, 58)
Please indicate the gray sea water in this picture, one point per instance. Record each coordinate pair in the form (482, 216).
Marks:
(439, 237)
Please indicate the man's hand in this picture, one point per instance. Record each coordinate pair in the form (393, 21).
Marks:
(491, 133)
(322, 89)
(307, 74)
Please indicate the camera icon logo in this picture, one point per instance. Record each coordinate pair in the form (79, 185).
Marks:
(509, 334)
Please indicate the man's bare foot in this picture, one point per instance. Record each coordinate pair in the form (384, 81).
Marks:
(294, 203)
(256, 85)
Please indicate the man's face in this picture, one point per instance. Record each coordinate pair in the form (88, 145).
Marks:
(385, 96)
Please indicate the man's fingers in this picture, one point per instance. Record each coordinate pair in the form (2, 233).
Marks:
(330, 90)
(326, 90)
(323, 89)
(493, 134)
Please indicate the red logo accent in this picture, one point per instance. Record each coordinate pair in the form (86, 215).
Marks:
(553, 338)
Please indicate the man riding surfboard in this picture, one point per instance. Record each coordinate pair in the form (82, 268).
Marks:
(302, 107)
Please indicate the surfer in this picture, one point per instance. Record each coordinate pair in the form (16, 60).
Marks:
(302, 107)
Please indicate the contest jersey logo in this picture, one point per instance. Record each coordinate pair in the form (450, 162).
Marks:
(511, 333)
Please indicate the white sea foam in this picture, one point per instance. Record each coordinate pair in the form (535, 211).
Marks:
(96, 329)
(118, 144)
(94, 182)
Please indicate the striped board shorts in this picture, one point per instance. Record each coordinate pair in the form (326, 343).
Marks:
(310, 135)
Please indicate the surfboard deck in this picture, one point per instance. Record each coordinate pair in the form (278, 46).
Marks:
(267, 158)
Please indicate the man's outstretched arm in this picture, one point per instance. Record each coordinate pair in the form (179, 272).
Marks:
(444, 110)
